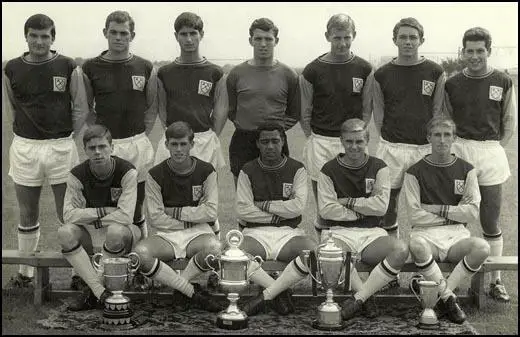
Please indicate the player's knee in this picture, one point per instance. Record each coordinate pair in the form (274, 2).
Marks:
(480, 247)
(67, 235)
(400, 249)
(144, 253)
(212, 246)
(417, 246)
(117, 235)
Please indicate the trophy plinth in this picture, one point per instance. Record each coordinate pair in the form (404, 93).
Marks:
(329, 315)
(232, 318)
(429, 295)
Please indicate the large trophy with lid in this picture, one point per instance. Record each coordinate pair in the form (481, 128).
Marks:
(233, 278)
(331, 272)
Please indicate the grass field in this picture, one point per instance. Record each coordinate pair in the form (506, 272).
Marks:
(493, 319)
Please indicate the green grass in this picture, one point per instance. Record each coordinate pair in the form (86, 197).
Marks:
(493, 319)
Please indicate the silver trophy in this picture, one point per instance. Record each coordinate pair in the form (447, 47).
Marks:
(115, 271)
(330, 274)
(429, 296)
(233, 278)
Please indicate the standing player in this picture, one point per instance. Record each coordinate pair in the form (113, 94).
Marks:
(271, 197)
(182, 203)
(482, 102)
(334, 87)
(193, 90)
(260, 90)
(98, 209)
(408, 91)
(44, 97)
(353, 193)
(121, 89)
(441, 195)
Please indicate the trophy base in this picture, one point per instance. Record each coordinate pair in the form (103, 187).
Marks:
(429, 326)
(231, 324)
(316, 324)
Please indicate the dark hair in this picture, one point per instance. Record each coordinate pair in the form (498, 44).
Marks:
(410, 22)
(263, 24)
(477, 34)
(188, 19)
(39, 21)
(341, 21)
(270, 126)
(120, 17)
(355, 125)
(179, 129)
(97, 131)
(438, 120)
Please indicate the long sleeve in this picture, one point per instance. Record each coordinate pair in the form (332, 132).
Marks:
(124, 213)
(245, 207)
(206, 211)
(367, 97)
(91, 118)
(508, 117)
(232, 96)
(74, 204)
(378, 101)
(329, 206)
(307, 94)
(161, 102)
(150, 114)
(80, 108)
(438, 96)
(293, 110)
(293, 207)
(417, 216)
(155, 207)
(377, 203)
(7, 99)
(220, 106)
(467, 211)
(447, 108)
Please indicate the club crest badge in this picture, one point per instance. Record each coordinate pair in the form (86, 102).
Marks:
(369, 185)
(115, 193)
(287, 190)
(196, 192)
(60, 83)
(428, 87)
(459, 186)
(495, 93)
(205, 87)
(357, 84)
(138, 82)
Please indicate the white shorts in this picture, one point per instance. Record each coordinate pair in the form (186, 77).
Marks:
(138, 150)
(31, 161)
(98, 235)
(206, 147)
(399, 157)
(317, 151)
(441, 237)
(488, 157)
(180, 239)
(273, 239)
(356, 238)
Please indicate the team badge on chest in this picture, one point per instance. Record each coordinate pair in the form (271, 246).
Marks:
(427, 87)
(459, 187)
(59, 83)
(138, 82)
(369, 185)
(357, 84)
(115, 193)
(287, 190)
(205, 87)
(495, 93)
(196, 192)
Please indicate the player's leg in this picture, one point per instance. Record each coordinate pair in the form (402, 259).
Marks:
(258, 275)
(242, 149)
(139, 219)
(59, 197)
(118, 240)
(197, 250)
(390, 218)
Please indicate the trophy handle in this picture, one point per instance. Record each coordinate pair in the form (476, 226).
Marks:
(135, 262)
(306, 254)
(413, 290)
(213, 258)
(347, 258)
(445, 282)
(260, 261)
(97, 265)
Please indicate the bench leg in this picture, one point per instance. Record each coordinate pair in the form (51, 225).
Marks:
(477, 292)
(41, 284)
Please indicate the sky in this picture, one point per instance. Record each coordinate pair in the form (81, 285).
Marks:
(301, 28)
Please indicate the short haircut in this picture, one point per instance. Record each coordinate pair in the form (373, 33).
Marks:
(341, 21)
(440, 120)
(39, 21)
(179, 129)
(477, 34)
(409, 22)
(188, 19)
(355, 125)
(96, 131)
(120, 17)
(270, 126)
(263, 24)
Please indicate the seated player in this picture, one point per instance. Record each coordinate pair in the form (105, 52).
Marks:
(353, 194)
(98, 207)
(271, 197)
(181, 203)
(442, 195)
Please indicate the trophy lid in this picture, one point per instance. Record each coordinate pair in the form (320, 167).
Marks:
(330, 249)
(234, 239)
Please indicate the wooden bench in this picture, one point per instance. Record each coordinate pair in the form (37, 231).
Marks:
(42, 261)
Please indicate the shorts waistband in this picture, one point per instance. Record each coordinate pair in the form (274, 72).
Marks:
(128, 139)
(404, 145)
(329, 138)
(42, 141)
(478, 143)
(205, 133)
